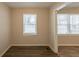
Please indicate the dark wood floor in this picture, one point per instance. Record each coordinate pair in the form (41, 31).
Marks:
(30, 51)
(69, 51)
(41, 51)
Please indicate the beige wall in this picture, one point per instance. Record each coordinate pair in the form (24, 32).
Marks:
(4, 28)
(68, 40)
(71, 39)
(42, 23)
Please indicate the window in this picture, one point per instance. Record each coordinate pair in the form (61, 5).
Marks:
(67, 24)
(29, 24)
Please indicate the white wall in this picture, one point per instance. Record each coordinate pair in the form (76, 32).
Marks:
(53, 37)
(53, 20)
(4, 28)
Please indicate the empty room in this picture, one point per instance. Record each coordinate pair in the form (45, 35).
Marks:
(39, 29)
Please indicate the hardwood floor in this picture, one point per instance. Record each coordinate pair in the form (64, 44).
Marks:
(68, 51)
(41, 51)
(29, 51)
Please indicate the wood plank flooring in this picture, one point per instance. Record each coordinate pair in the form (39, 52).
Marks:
(30, 51)
(41, 51)
(69, 51)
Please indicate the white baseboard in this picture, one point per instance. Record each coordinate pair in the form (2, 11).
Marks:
(5, 51)
(30, 44)
(68, 44)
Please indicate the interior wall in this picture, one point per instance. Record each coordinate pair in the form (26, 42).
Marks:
(69, 40)
(53, 37)
(53, 23)
(42, 38)
(4, 28)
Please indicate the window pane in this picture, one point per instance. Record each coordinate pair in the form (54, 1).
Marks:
(74, 21)
(30, 19)
(62, 18)
(29, 29)
(29, 23)
(62, 21)
(68, 24)
(33, 19)
(62, 29)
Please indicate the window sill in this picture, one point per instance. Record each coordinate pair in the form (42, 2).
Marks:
(30, 34)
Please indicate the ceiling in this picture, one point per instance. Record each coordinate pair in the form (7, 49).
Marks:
(30, 4)
(39, 4)
(74, 4)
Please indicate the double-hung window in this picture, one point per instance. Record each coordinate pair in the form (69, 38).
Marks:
(30, 24)
(68, 24)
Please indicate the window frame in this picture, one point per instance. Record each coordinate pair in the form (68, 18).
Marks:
(69, 34)
(30, 34)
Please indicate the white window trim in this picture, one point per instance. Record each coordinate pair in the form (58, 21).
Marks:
(30, 34)
(70, 34)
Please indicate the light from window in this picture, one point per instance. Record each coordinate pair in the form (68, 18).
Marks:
(67, 24)
(29, 24)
